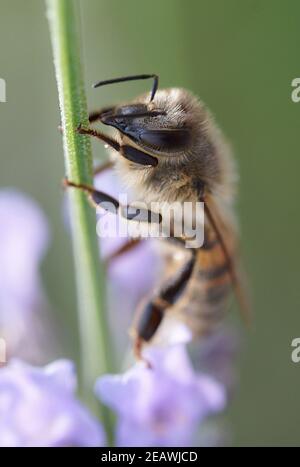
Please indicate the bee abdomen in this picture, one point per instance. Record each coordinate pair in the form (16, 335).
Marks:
(206, 308)
(216, 272)
(206, 298)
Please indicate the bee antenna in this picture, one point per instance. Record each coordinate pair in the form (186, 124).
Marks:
(131, 78)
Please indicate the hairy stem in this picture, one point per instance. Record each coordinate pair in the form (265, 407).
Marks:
(96, 354)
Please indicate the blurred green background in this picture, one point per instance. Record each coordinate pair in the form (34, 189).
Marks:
(240, 58)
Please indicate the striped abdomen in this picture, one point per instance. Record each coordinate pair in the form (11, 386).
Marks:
(205, 299)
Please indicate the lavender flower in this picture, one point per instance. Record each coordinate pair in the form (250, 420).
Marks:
(162, 406)
(24, 238)
(38, 408)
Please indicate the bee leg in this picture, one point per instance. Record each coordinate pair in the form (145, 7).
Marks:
(129, 152)
(102, 167)
(133, 242)
(97, 170)
(97, 134)
(128, 246)
(100, 199)
(152, 314)
(97, 198)
(93, 116)
(110, 204)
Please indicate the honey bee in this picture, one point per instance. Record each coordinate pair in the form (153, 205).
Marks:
(167, 148)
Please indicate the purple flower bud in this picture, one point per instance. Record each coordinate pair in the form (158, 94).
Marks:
(162, 406)
(38, 408)
(24, 237)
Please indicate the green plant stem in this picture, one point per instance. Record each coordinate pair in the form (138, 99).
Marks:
(93, 328)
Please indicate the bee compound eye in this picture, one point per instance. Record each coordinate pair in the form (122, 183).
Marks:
(166, 139)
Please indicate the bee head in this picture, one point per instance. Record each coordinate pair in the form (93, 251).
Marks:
(149, 127)
(160, 122)
(171, 132)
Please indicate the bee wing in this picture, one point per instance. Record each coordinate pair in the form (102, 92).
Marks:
(231, 256)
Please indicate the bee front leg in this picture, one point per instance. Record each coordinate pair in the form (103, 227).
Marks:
(130, 153)
(102, 167)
